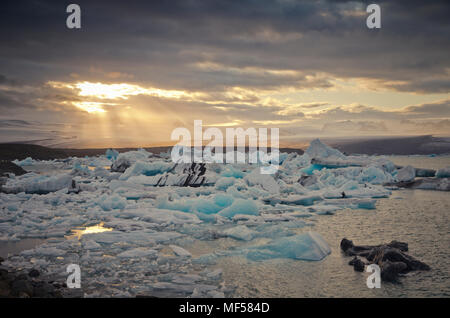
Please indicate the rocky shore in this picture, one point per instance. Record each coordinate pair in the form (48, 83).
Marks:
(24, 284)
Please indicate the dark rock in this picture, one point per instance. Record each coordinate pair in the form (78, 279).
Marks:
(120, 165)
(145, 296)
(307, 180)
(5, 276)
(1, 260)
(45, 290)
(189, 175)
(5, 289)
(391, 258)
(33, 273)
(20, 287)
(73, 187)
(358, 264)
(391, 270)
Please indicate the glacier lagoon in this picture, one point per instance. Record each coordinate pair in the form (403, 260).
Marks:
(212, 238)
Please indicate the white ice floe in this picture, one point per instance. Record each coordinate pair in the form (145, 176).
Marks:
(179, 251)
(35, 183)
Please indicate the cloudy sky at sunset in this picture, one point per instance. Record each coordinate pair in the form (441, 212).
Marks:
(138, 69)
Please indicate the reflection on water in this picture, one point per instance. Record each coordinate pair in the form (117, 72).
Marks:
(99, 228)
(418, 217)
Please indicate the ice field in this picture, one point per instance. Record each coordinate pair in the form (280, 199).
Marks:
(130, 227)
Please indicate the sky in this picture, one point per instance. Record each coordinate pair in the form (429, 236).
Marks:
(136, 70)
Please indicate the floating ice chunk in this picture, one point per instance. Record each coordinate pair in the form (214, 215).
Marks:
(295, 199)
(443, 173)
(12, 207)
(204, 206)
(324, 209)
(406, 174)
(25, 162)
(179, 251)
(111, 202)
(308, 246)
(223, 200)
(230, 171)
(425, 172)
(142, 238)
(44, 251)
(80, 170)
(442, 184)
(91, 245)
(240, 232)
(240, 206)
(366, 204)
(224, 183)
(163, 237)
(374, 175)
(33, 183)
(311, 168)
(317, 149)
(146, 168)
(205, 259)
(185, 279)
(139, 252)
(111, 154)
(266, 181)
(215, 274)
(160, 216)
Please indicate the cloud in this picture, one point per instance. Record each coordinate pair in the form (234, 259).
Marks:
(349, 127)
(161, 45)
(265, 63)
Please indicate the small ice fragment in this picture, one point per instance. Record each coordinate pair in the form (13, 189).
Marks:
(179, 251)
(138, 252)
(240, 232)
(240, 206)
(406, 174)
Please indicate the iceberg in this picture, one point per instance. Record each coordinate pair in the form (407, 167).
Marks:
(25, 162)
(265, 181)
(317, 149)
(34, 183)
(406, 174)
(111, 202)
(443, 173)
(111, 154)
(146, 168)
(308, 246)
(240, 206)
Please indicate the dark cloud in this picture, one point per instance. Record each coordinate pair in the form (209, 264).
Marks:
(161, 42)
(213, 47)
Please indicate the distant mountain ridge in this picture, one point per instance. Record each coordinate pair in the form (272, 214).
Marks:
(421, 145)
